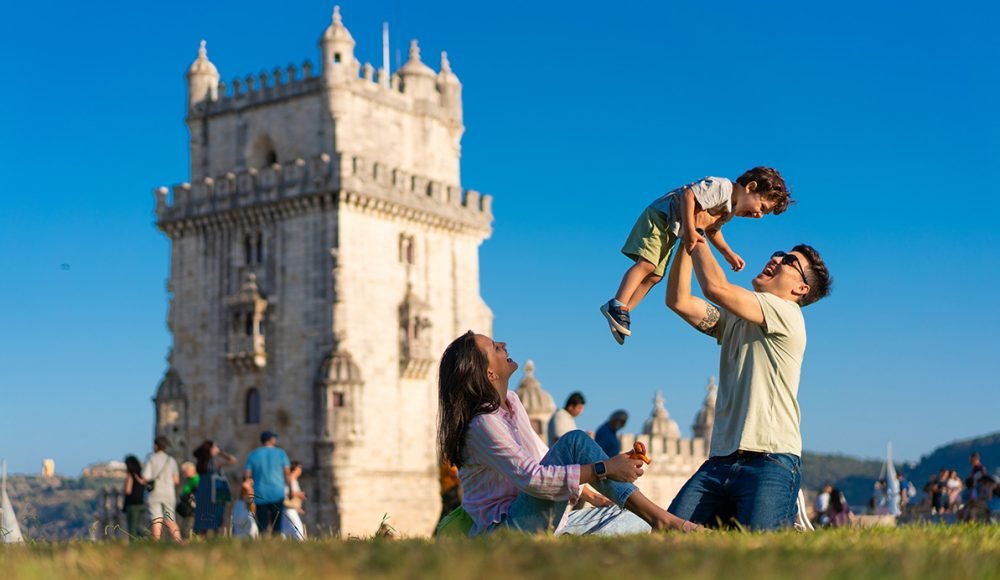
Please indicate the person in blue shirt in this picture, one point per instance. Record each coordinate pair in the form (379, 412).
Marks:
(607, 434)
(269, 468)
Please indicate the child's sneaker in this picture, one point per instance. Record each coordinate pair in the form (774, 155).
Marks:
(618, 320)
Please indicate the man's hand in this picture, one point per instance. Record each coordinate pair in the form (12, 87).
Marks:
(692, 239)
(735, 261)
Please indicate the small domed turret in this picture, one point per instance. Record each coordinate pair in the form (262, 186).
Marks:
(538, 403)
(202, 78)
(659, 422)
(337, 46)
(705, 420)
(450, 88)
(418, 79)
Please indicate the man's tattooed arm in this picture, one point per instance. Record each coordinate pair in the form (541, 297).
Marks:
(710, 324)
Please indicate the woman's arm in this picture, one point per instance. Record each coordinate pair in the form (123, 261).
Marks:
(490, 443)
(128, 484)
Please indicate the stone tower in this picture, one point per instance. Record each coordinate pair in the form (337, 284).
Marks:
(323, 254)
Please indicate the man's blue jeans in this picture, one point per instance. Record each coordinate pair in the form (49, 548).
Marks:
(535, 515)
(758, 490)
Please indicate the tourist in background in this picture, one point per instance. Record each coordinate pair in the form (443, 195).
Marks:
(244, 512)
(162, 478)
(839, 514)
(186, 501)
(564, 420)
(134, 504)
(291, 521)
(953, 487)
(269, 467)
(451, 490)
(607, 434)
(976, 475)
(821, 507)
(210, 504)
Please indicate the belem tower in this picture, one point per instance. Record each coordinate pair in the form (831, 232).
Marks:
(322, 256)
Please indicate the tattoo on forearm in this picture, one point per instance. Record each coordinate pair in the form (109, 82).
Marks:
(710, 323)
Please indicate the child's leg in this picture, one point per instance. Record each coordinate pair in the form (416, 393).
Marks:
(634, 278)
(644, 287)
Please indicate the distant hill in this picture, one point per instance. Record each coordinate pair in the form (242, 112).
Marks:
(856, 477)
(56, 508)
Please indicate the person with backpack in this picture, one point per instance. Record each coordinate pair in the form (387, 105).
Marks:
(162, 478)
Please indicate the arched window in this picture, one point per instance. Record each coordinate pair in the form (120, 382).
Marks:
(260, 248)
(253, 407)
(247, 250)
(248, 327)
(271, 157)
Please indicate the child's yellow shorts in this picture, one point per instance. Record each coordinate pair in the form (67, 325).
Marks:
(653, 239)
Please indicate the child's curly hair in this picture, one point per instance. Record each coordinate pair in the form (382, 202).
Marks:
(770, 185)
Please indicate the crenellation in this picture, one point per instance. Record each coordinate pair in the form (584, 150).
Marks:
(281, 181)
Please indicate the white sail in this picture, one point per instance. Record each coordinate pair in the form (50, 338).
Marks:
(891, 483)
(10, 532)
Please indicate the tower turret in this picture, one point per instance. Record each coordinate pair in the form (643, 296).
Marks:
(659, 422)
(418, 79)
(538, 403)
(202, 79)
(705, 420)
(450, 89)
(337, 48)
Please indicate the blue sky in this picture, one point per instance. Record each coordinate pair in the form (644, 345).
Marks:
(883, 117)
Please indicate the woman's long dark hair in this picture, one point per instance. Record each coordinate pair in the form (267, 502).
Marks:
(464, 391)
(132, 465)
(203, 456)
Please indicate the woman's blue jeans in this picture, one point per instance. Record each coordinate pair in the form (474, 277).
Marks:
(535, 515)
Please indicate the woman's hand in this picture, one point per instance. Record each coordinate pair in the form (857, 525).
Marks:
(623, 468)
(595, 499)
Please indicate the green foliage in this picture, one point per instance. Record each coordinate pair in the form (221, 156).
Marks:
(960, 552)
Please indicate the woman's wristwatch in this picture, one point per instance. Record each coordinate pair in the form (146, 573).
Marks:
(601, 471)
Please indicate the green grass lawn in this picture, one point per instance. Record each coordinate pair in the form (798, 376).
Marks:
(961, 552)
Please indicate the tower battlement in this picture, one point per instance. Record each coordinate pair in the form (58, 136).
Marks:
(264, 88)
(415, 87)
(359, 181)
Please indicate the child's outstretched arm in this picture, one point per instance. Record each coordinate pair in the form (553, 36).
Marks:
(689, 207)
(714, 235)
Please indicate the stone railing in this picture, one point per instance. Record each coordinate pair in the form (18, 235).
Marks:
(360, 182)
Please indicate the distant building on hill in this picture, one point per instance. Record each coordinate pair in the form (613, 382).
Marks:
(106, 470)
(48, 468)
(323, 255)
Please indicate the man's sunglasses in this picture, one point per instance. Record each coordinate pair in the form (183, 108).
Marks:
(791, 260)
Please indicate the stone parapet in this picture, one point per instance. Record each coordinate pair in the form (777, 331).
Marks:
(299, 184)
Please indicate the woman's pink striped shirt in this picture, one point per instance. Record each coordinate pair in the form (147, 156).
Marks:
(501, 460)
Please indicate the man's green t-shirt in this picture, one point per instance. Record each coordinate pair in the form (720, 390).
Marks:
(757, 407)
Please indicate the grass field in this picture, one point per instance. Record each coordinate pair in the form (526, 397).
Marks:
(961, 552)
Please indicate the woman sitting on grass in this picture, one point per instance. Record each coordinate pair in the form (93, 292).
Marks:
(510, 479)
